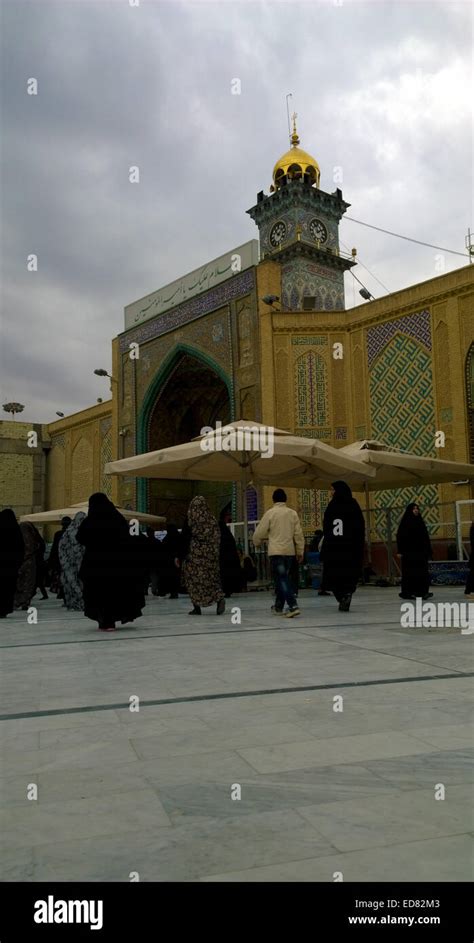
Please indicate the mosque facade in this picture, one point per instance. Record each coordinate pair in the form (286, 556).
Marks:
(262, 333)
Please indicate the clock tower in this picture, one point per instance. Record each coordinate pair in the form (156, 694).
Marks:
(298, 225)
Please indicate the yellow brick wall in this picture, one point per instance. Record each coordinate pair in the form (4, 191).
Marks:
(22, 466)
(16, 481)
(56, 474)
(74, 465)
(13, 429)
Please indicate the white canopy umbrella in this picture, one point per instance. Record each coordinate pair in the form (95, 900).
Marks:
(395, 468)
(247, 452)
(51, 517)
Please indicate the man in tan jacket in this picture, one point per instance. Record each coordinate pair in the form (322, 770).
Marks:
(281, 527)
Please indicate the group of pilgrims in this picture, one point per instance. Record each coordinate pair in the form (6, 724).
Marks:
(98, 566)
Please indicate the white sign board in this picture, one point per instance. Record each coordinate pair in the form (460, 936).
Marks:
(202, 279)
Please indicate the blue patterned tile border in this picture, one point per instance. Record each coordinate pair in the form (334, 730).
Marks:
(191, 310)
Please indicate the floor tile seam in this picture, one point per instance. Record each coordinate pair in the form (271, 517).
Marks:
(431, 750)
(258, 781)
(374, 651)
(195, 634)
(377, 651)
(420, 789)
(137, 762)
(412, 841)
(138, 638)
(287, 784)
(222, 696)
(329, 851)
(91, 838)
(368, 733)
(353, 851)
(441, 749)
(57, 804)
(229, 695)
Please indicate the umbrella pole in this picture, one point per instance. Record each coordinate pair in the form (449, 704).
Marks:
(246, 517)
(367, 507)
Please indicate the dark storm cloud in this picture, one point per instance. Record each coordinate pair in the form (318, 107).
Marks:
(381, 91)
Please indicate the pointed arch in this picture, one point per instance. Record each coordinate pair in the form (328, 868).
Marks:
(158, 383)
(161, 376)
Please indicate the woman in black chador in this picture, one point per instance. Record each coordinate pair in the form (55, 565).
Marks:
(12, 550)
(229, 560)
(414, 547)
(344, 535)
(111, 570)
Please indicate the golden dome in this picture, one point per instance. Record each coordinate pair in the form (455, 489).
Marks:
(295, 163)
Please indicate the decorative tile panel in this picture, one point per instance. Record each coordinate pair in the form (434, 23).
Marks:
(417, 326)
(301, 278)
(403, 413)
(311, 507)
(190, 310)
(106, 456)
(311, 384)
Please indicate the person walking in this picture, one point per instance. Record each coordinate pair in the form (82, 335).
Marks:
(469, 590)
(229, 561)
(26, 580)
(12, 551)
(110, 571)
(343, 544)
(280, 525)
(414, 547)
(71, 554)
(201, 565)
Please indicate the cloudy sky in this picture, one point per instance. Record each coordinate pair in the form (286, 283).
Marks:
(382, 90)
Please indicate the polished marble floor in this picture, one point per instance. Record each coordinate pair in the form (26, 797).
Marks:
(246, 704)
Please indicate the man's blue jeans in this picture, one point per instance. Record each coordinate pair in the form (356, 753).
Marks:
(281, 574)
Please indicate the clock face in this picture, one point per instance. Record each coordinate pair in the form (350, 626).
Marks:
(318, 230)
(277, 233)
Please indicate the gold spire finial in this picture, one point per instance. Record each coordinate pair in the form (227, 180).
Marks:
(294, 137)
(295, 163)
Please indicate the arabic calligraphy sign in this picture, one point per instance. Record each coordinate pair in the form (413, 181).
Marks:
(209, 275)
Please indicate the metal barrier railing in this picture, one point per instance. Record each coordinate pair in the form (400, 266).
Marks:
(258, 555)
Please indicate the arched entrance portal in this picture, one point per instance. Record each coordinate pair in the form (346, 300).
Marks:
(192, 395)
